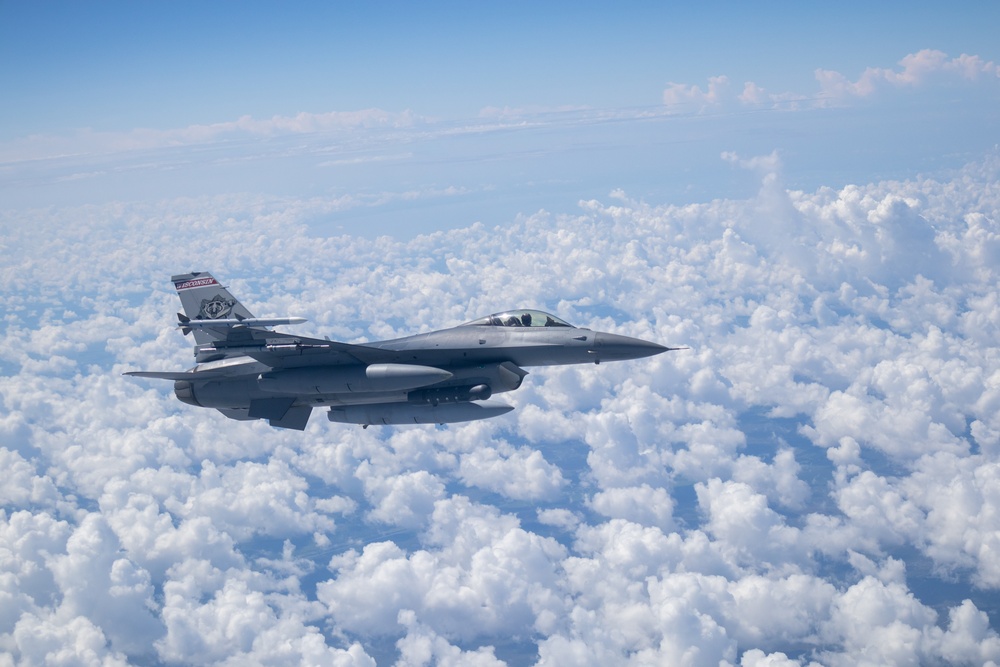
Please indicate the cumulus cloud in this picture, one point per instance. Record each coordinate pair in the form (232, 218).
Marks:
(915, 70)
(785, 491)
(643, 504)
(522, 473)
(481, 576)
(715, 94)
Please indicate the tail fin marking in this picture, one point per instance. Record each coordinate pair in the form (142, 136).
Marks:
(204, 298)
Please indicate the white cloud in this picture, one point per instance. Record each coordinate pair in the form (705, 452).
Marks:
(20, 485)
(741, 501)
(689, 97)
(422, 646)
(757, 658)
(956, 496)
(68, 639)
(482, 575)
(250, 498)
(923, 68)
(520, 473)
(914, 69)
(751, 531)
(642, 504)
(241, 623)
(26, 540)
(402, 500)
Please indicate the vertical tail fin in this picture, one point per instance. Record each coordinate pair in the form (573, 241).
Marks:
(203, 298)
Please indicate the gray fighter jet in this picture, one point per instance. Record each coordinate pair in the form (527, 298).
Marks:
(248, 371)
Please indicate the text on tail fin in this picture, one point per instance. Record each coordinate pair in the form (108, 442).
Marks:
(204, 298)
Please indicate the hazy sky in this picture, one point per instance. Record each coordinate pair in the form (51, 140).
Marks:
(805, 197)
(483, 111)
(120, 65)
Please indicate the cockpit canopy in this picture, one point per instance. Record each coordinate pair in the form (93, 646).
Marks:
(519, 318)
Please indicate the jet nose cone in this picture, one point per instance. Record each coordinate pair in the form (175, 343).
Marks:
(612, 347)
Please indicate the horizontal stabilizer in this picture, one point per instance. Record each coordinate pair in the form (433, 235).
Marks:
(239, 414)
(295, 418)
(270, 408)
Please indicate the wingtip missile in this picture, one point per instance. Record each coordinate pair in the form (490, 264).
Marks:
(190, 324)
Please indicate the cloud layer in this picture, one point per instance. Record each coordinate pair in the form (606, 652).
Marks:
(814, 480)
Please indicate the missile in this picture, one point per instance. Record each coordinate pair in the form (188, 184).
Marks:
(185, 323)
(404, 413)
(346, 379)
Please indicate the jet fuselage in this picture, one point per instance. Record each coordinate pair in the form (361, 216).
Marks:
(250, 372)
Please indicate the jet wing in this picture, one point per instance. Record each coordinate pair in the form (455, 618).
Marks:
(250, 336)
(280, 350)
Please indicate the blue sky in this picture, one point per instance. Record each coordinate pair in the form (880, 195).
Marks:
(804, 196)
(484, 111)
(118, 65)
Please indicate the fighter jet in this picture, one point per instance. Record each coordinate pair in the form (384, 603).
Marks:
(248, 371)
